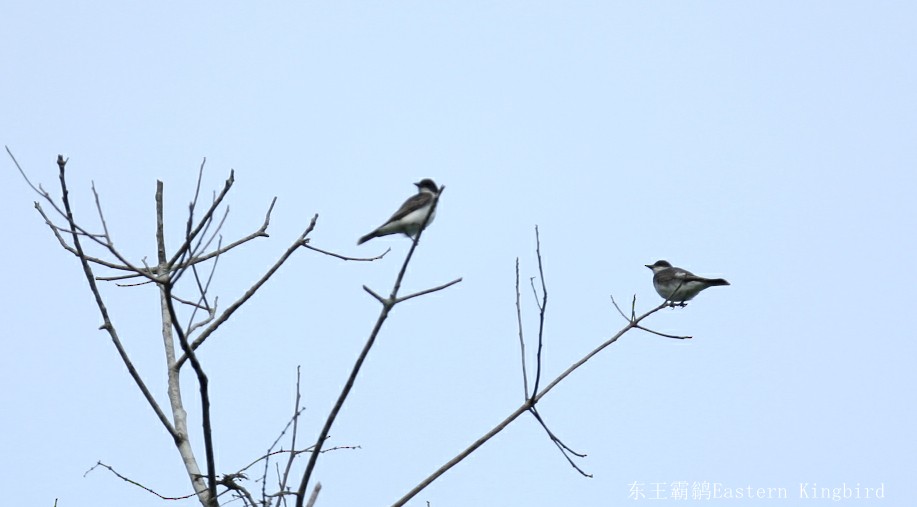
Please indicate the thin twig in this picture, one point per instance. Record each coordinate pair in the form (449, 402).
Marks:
(191, 234)
(101, 215)
(229, 482)
(103, 310)
(200, 179)
(677, 337)
(250, 292)
(122, 277)
(373, 294)
(344, 257)
(564, 448)
(211, 314)
(541, 309)
(387, 305)
(201, 242)
(534, 291)
(76, 230)
(525, 377)
(135, 483)
(202, 289)
(56, 230)
(619, 309)
(529, 403)
(186, 302)
(260, 233)
(427, 291)
(215, 235)
(297, 452)
(296, 412)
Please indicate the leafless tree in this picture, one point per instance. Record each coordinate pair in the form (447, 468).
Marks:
(195, 261)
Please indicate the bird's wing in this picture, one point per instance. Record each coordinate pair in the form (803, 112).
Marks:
(683, 274)
(415, 202)
(694, 278)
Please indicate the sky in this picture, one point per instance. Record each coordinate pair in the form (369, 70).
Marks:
(770, 143)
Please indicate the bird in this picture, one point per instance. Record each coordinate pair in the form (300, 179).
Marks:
(678, 285)
(411, 215)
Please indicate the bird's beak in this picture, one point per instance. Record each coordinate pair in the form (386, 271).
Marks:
(649, 266)
(417, 184)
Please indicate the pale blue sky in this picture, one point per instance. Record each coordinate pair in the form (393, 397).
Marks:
(769, 143)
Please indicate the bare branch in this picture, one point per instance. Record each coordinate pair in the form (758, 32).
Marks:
(122, 277)
(598, 349)
(203, 245)
(525, 377)
(203, 383)
(297, 452)
(464, 454)
(528, 404)
(564, 449)
(197, 186)
(202, 289)
(77, 231)
(103, 310)
(192, 233)
(296, 411)
(261, 232)
(138, 284)
(534, 292)
(378, 297)
(74, 228)
(344, 257)
(229, 482)
(56, 230)
(170, 316)
(387, 305)
(250, 292)
(428, 291)
(542, 307)
(101, 215)
(541, 311)
(135, 483)
(619, 309)
(24, 176)
(663, 334)
(314, 496)
(211, 314)
(68, 231)
(186, 302)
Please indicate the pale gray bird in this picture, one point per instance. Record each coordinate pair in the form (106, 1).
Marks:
(678, 285)
(411, 215)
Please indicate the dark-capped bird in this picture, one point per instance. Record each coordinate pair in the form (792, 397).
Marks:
(411, 215)
(678, 285)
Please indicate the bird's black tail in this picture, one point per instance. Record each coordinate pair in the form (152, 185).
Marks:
(717, 281)
(366, 238)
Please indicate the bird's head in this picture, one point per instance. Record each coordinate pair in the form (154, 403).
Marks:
(659, 266)
(427, 185)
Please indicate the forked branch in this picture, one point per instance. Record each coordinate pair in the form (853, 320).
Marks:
(633, 322)
(387, 305)
(100, 303)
